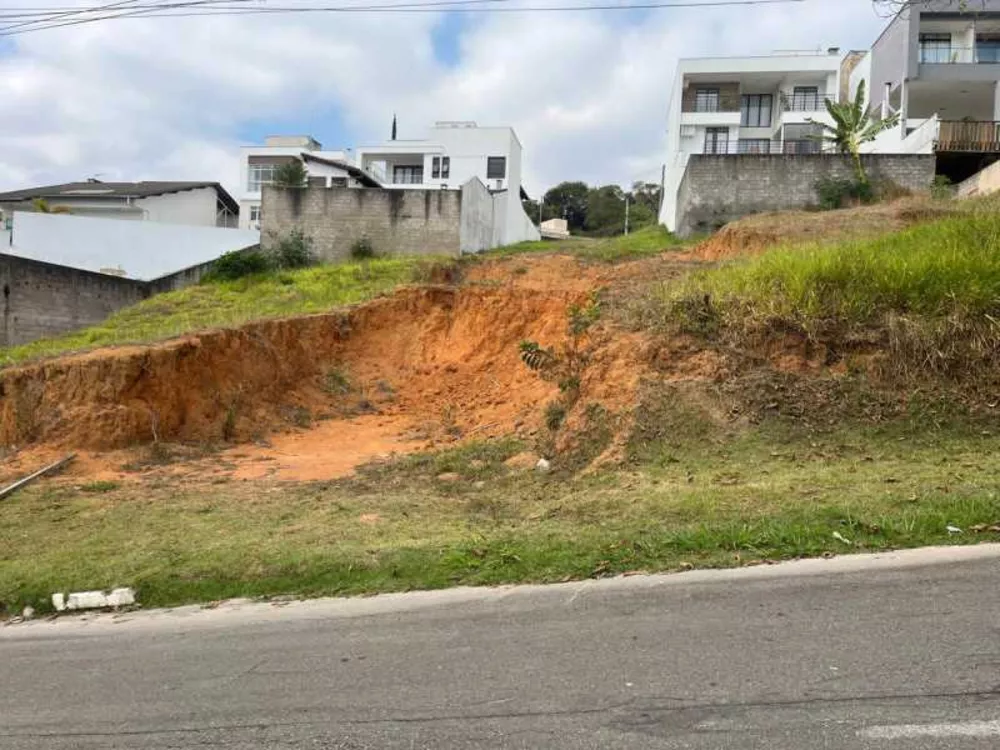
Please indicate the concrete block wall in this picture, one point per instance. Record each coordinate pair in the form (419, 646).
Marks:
(719, 189)
(396, 222)
(42, 299)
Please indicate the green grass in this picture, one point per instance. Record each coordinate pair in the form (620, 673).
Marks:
(701, 501)
(945, 268)
(232, 303)
(641, 243)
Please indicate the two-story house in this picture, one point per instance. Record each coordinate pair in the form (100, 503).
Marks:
(325, 168)
(747, 105)
(937, 64)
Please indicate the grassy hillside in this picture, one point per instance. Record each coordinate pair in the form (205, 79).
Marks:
(639, 244)
(233, 303)
(945, 268)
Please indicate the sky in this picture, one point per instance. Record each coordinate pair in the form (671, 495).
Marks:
(175, 98)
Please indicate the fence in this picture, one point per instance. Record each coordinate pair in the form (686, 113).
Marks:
(961, 135)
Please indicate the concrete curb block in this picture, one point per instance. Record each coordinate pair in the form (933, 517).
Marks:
(93, 600)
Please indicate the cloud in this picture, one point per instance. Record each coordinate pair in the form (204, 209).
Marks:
(171, 98)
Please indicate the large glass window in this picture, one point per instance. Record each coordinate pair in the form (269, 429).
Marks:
(716, 140)
(260, 174)
(935, 48)
(805, 99)
(988, 48)
(706, 100)
(440, 167)
(407, 175)
(755, 110)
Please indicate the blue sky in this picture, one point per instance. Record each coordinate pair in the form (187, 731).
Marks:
(175, 98)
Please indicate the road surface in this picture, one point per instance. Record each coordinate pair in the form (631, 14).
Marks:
(900, 652)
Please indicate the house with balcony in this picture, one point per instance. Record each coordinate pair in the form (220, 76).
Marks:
(746, 105)
(937, 64)
(324, 168)
(452, 153)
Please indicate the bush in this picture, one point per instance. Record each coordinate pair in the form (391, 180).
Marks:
(237, 264)
(290, 175)
(293, 251)
(362, 249)
(835, 193)
(941, 187)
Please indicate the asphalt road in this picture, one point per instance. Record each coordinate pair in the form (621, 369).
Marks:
(899, 652)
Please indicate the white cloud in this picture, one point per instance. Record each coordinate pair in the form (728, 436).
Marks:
(167, 99)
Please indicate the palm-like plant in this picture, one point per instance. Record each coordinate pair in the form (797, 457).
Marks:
(853, 126)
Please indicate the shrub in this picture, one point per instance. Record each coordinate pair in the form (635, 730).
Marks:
(941, 187)
(362, 249)
(237, 264)
(290, 175)
(834, 193)
(293, 251)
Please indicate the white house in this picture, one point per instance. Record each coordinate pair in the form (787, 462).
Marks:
(452, 154)
(205, 204)
(325, 168)
(936, 65)
(746, 105)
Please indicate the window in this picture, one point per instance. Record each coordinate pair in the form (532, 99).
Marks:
(496, 167)
(805, 99)
(407, 175)
(755, 145)
(716, 140)
(260, 174)
(440, 167)
(255, 217)
(988, 48)
(755, 110)
(338, 182)
(935, 48)
(706, 100)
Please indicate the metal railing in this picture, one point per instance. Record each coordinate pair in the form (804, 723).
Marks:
(721, 103)
(765, 147)
(804, 102)
(964, 135)
(981, 54)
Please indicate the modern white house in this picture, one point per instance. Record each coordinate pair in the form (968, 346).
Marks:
(205, 204)
(746, 105)
(325, 168)
(453, 153)
(937, 64)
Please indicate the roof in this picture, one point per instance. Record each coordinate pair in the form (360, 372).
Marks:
(98, 189)
(357, 173)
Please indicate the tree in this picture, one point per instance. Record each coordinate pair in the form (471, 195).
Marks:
(291, 174)
(568, 200)
(646, 194)
(853, 126)
(606, 210)
(892, 7)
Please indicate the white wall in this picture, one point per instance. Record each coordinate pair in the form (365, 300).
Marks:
(145, 250)
(492, 220)
(191, 207)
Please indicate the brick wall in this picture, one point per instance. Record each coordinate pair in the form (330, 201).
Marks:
(42, 299)
(719, 189)
(396, 222)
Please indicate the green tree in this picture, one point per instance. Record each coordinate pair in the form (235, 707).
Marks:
(291, 174)
(646, 194)
(567, 200)
(606, 210)
(853, 126)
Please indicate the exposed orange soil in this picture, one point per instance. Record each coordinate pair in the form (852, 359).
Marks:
(423, 367)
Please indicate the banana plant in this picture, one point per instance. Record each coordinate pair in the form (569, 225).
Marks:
(853, 126)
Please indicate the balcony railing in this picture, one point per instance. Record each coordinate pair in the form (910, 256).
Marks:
(981, 54)
(963, 135)
(722, 103)
(804, 102)
(764, 147)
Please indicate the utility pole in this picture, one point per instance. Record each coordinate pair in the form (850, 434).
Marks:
(626, 212)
